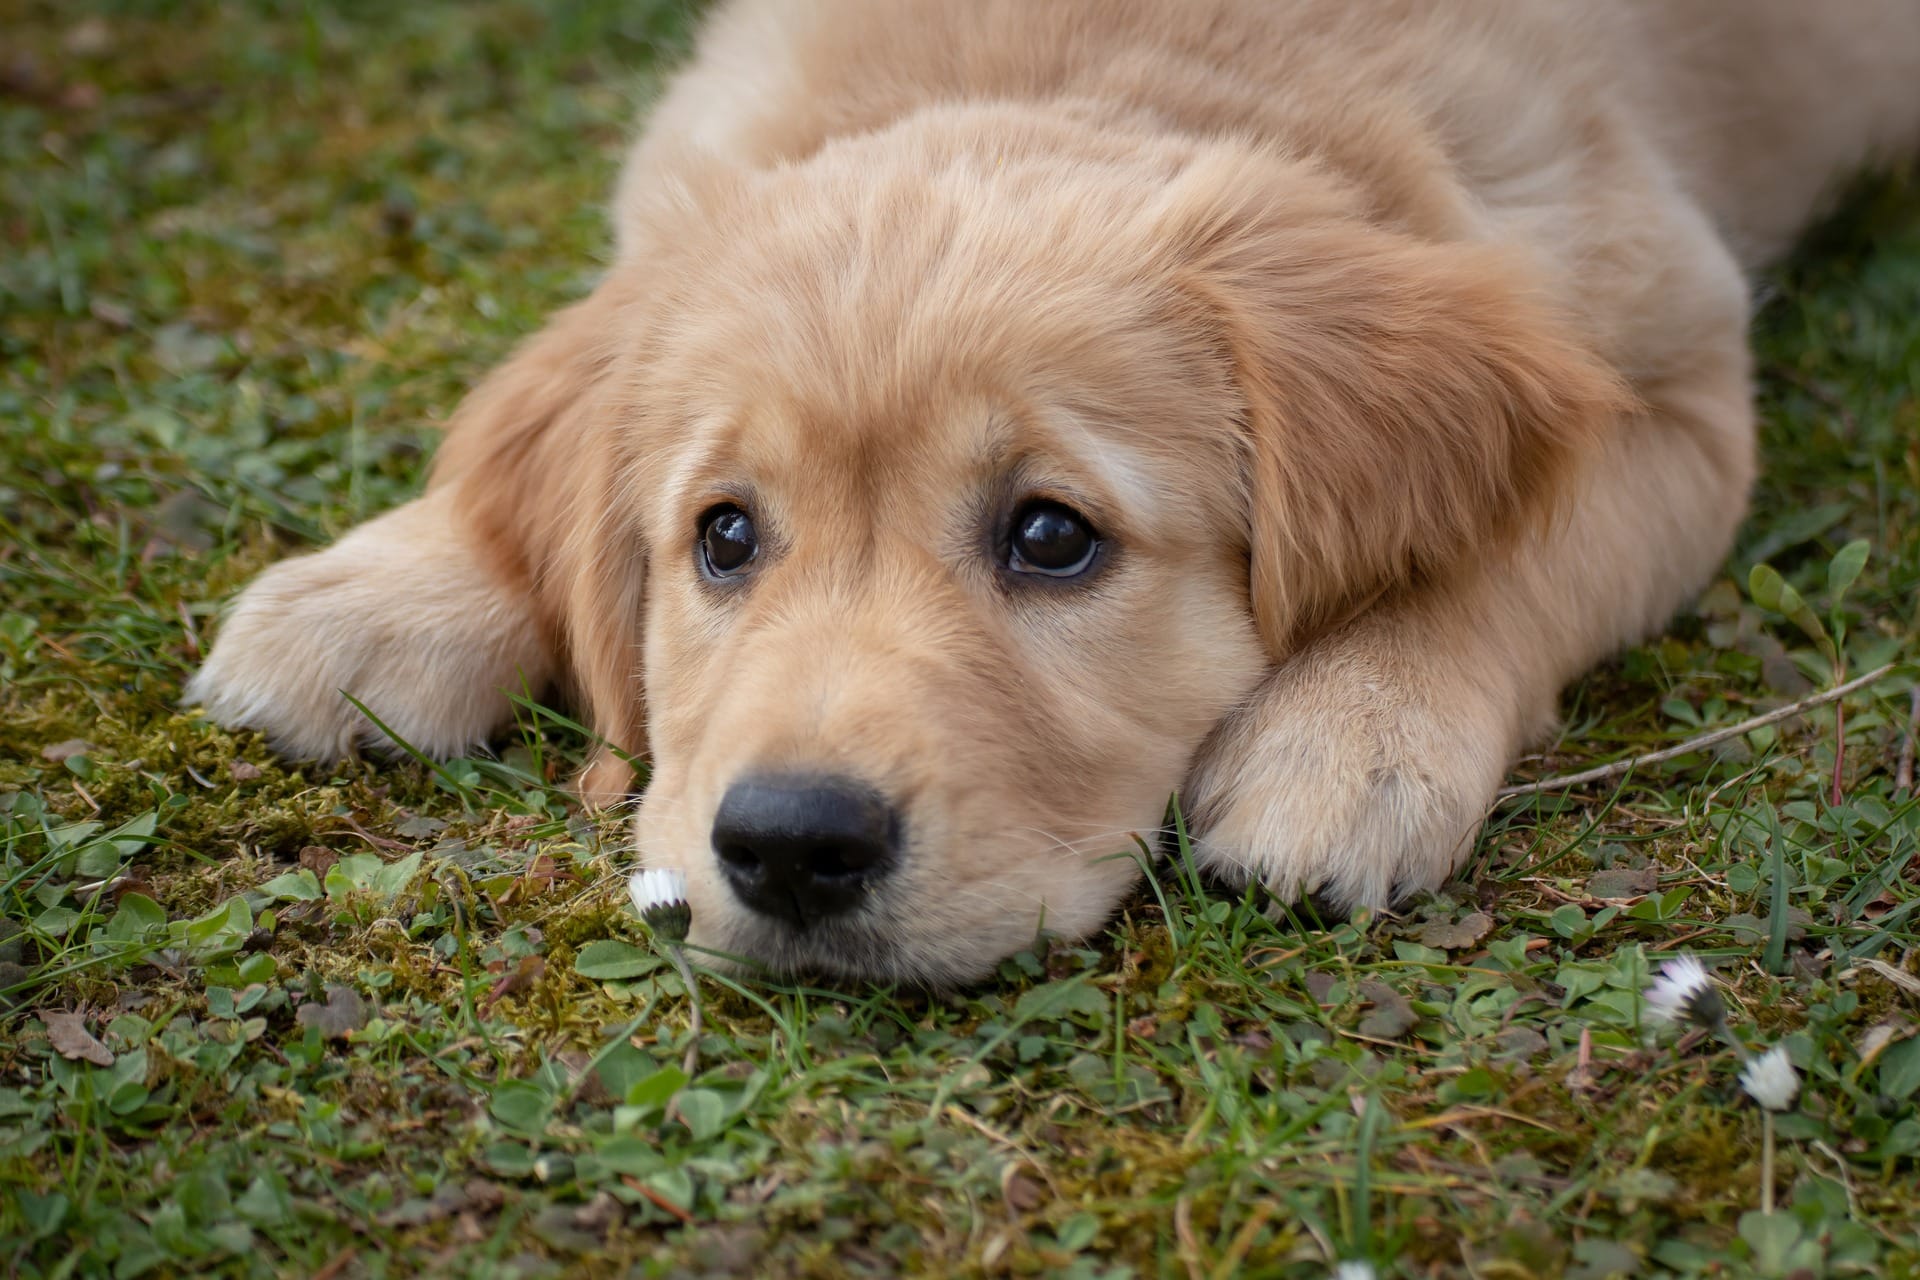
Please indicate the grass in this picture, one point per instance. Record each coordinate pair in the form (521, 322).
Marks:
(386, 1020)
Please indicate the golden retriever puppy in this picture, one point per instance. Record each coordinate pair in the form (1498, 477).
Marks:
(1003, 415)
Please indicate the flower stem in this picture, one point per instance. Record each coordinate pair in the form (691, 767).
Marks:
(696, 1024)
(1725, 1033)
(1766, 1162)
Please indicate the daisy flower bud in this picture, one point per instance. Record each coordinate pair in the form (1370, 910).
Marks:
(660, 896)
(1684, 992)
(1770, 1079)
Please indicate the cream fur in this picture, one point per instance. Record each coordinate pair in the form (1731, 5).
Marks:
(399, 615)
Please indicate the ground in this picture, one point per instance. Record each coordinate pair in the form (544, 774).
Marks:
(383, 1019)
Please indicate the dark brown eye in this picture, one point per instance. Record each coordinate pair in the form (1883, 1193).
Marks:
(728, 542)
(1050, 540)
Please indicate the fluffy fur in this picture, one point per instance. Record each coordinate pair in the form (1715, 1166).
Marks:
(1396, 348)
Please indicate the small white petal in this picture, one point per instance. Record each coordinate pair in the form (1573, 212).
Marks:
(1354, 1271)
(1770, 1079)
(1681, 980)
(656, 887)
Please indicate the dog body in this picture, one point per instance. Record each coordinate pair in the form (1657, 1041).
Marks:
(1386, 361)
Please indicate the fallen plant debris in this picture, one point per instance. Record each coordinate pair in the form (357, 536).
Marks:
(68, 1034)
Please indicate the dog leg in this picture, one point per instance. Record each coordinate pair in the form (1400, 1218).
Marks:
(1364, 766)
(431, 614)
(403, 615)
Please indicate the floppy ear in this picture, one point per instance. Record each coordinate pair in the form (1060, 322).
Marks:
(545, 497)
(1407, 403)
(602, 575)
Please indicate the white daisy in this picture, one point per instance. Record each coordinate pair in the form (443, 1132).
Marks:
(657, 887)
(1684, 991)
(660, 896)
(1770, 1079)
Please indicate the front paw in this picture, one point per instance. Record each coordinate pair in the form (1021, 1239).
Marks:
(398, 614)
(1354, 775)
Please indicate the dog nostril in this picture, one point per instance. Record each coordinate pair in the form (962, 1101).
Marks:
(804, 848)
(828, 861)
(738, 856)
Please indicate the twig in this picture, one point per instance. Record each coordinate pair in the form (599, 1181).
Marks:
(659, 1201)
(1681, 940)
(87, 796)
(1881, 969)
(1189, 1250)
(1229, 1264)
(1456, 1114)
(378, 842)
(1903, 775)
(191, 632)
(1580, 1079)
(1567, 781)
(339, 1262)
(981, 1126)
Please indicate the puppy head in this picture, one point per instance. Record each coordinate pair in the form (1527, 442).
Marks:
(944, 501)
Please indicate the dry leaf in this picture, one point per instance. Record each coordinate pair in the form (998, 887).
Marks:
(343, 1013)
(541, 874)
(584, 1080)
(1392, 1015)
(1022, 1194)
(1878, 1037)
(1520, 1043)
(1457, 937)
(415, 827)
(529, 971)
(60, 752)
(1898, 977)
(1623, 882)
(89, 38)
(68, 1034)
(112, 314)
(483, 1195)
(318, 859)
(81, 96)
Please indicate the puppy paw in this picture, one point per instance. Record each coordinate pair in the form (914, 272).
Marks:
(1355, 775)
(400, 615)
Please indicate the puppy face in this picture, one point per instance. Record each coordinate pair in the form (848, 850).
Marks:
(944, 587)
(951, 487)
(892, 742)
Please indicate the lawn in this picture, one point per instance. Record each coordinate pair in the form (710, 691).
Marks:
(385, 1019)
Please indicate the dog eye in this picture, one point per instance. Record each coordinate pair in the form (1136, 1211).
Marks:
(1050, 540)
(728, 542)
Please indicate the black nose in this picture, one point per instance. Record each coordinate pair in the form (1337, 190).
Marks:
(803, 848)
